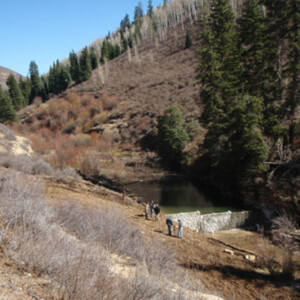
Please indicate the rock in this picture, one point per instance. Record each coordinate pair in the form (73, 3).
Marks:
(228, 251)
(250, 257)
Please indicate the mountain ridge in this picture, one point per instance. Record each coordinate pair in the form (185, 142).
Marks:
(4, 74)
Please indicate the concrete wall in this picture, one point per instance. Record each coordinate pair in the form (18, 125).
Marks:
(215, 221)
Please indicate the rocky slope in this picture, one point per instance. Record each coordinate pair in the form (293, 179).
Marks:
(4, 73)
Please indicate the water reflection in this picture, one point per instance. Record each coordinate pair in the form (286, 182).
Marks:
(181, 195)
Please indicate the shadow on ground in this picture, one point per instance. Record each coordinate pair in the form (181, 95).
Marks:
(238, 273)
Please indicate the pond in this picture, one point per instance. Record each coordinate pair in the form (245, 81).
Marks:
(180, 195)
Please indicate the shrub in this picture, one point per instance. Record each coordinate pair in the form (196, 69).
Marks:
(82, 140)
(282, 227)
(8, 133)
(172, 135)
(90, 164)
(109, 102)
(26, 164)
(73, 245)
(22, 202)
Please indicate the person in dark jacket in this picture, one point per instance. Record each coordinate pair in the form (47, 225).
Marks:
(157, 212)
(169, 223)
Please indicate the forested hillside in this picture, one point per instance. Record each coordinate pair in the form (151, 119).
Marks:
(230, 67)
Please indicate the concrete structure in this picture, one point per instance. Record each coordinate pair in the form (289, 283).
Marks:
(215, 221)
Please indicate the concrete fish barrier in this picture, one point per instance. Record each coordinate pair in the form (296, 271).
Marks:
(215, 221)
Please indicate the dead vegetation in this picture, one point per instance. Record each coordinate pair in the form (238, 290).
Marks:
(73, 245)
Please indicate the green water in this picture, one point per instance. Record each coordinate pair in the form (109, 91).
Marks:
(178, 195)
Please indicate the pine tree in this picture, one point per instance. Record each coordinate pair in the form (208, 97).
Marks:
(276, 20)
(210, 76)
(45, 88)
(293, 65)
(253, 43)
(64, 77)
(138, 12)
(25, 86)
(138, 19)
(125, 23)
(59, 78)
(124, 42)
(237, 146)
(7, 113)
(74, 67)
(188, 40)
(220, 69)
(226, 46)
(35, 81)
(15, 93)
(85, 65)
(233, 118)
(150, 9)
(93, 58)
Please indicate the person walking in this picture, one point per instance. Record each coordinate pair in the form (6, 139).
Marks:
(157, 212)
(147, 211)
(180, 229)
(151, 209)
(169, 223)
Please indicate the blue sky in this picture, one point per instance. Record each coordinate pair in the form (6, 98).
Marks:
(47, 30)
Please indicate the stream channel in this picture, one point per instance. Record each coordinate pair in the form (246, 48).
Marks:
(176, 194)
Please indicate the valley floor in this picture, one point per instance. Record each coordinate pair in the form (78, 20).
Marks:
(222, 262)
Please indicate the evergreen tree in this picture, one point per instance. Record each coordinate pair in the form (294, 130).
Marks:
(15, 93)
(138, 12)
(277, 22)
(237, 146)
(253, 43)
(74, 67)
(85, 65)
(45, 88)
(172, 135)
(35, 81)
(234, 139)
(64, 77)
(25, 86)
(274, 94)
(93, 58)
(210, 76)
(220, 69)
(59, 78)
(150, 9)
(125, 23)
(7, 113)
(165, 3)
(188, 40)
(124, 42)
(293, 64)
(138, 19)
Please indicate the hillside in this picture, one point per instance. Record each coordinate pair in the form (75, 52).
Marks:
(60, 234)
(120, 107)
(4, 73)
(150, 77)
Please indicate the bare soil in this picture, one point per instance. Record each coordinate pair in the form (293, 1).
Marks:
(217, 260)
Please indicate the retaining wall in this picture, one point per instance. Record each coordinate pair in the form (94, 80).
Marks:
(215, 221)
